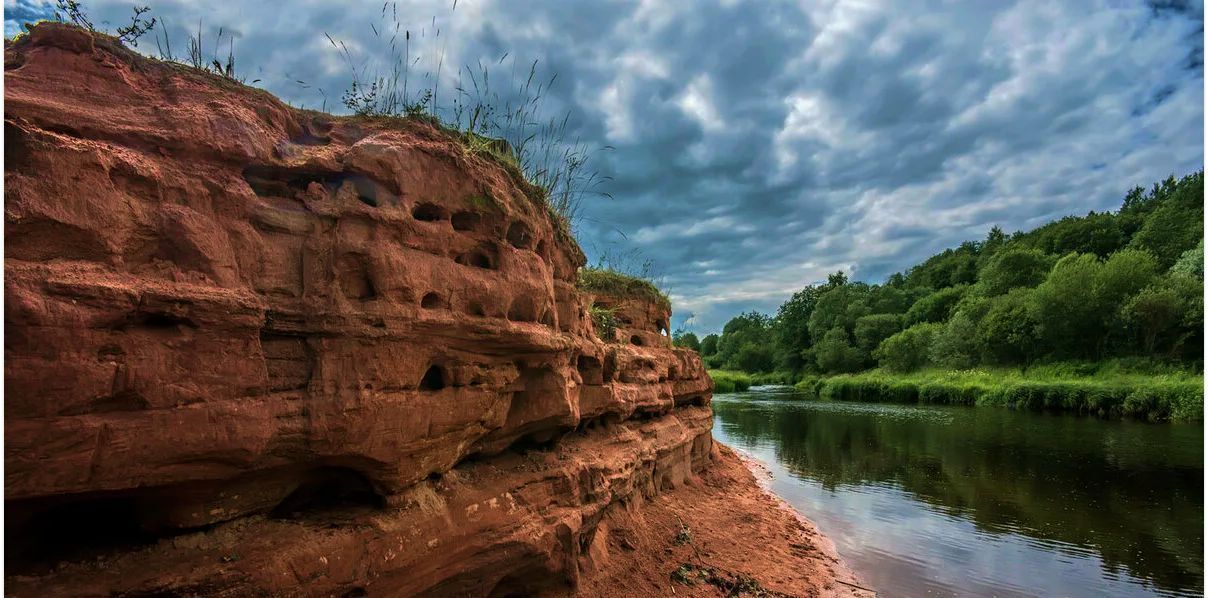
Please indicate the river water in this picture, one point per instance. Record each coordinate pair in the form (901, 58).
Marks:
(984, 501)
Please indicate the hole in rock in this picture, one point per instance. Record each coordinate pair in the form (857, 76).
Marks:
(270, 181)
(355, 280)
(38, 535)
(532, 580)
(478, 259)
(367, 191)
(327, 490)
(476, 309)
(431, 301)
(429, 212)
(522, 309)
(635, 340)
(158, 321)
(519, 235)
(466, 220)
(591, 370)
(434, 379)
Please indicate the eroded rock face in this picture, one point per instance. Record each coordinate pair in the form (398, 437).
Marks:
(230, 321)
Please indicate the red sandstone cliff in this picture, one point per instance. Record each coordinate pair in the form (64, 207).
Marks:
(253, 350)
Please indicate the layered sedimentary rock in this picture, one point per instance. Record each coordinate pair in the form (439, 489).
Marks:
(258, 350)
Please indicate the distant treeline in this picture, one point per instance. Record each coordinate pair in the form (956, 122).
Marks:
(1124, 285)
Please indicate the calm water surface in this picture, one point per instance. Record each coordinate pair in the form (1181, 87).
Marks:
(965, 501)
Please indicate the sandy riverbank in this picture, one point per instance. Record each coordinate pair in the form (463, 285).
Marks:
(738, 533)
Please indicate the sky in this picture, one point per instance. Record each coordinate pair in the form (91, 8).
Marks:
(751, 148)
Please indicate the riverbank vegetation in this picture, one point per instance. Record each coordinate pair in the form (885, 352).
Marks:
(1100, 314)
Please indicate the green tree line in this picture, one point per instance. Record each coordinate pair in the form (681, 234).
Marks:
(1124, 284)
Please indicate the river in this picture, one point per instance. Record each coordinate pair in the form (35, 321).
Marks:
(983, 501)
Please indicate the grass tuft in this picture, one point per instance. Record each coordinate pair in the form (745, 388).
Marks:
(616, 284)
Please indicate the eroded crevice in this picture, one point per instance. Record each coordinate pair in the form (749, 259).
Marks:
(429, 212)
(519, 235)
(522, 309)
(484, 256)
(434, 379)
(41, 533)
(330, 492)
(355, 278)
(288, 360)
(156, 321)
(274, 181)
(591, 371)
(433, 301)
(466, 221)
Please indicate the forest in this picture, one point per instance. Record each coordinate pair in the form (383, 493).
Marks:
(1107, 295)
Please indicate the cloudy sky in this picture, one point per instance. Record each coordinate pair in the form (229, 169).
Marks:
(757, 146)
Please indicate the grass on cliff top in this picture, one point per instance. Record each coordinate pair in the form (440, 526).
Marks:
(610, 282)
(395, 74)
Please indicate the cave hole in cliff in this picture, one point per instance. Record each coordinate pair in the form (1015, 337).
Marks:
(519, 235)
(148, 320)
(590, 370)
(432, 301)
(466, 220)
(664, 328)
(636, 340)
(40, 533)
(476, 309)
(530, 580)
(354, 277)
(272, 181)
(484, 256)
(537, 407)
(434, 379)
(329, 490)
(367, 191)
(522, 309)
(429, 212)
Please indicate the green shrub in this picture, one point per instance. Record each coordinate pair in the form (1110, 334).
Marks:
(907, 350)
(726, 381)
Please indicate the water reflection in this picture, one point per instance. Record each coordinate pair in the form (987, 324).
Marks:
(957, 500)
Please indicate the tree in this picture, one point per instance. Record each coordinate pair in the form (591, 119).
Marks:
(907, 350)
(937, 306)
(792, 332)
(750, 328)
(955, 345)
(1010, 331)
(1066, 313)
(708, 345)
(686, 339)
(1176, 223)
(1191, 263)
(754, 358)
(1013, 268)
(871, 330)
(835, 354)
(1153, 312)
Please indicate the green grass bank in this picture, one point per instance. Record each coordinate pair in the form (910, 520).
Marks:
(1104, 390)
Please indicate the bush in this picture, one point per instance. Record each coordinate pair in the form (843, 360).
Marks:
(835, 354)
(907, 350)
(726, 381)
(937, 306)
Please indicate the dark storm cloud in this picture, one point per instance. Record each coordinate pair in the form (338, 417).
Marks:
(761, 145)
